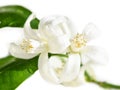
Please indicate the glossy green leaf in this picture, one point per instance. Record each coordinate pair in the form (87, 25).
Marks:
(12, 75)
(15, 16)
(6, 61)
(34, 23)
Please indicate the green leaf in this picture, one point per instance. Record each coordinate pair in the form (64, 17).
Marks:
(12, 75)
(34, 23)
(15, 16)
(102, 84)
(6, 61)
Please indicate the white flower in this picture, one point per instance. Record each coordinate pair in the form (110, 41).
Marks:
(91, 56)
(59, 69)
(30, 45)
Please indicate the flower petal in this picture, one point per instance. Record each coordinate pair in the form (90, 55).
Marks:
(72, 68)
(94, 55)
(16, 51)
(97, 72)
(45, 70)
(58, 44)
(7, 36)
(80, 79)
(91, 32)
(57, 31)
(56, 26)
(29, 32)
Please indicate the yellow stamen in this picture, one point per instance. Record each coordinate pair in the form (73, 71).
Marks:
(26, 45)
(78, 41)
(59, 70)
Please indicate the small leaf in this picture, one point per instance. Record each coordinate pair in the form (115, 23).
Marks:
(34, 23)
(12, 75)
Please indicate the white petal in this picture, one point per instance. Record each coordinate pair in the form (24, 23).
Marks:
(72, 68)
(56, 26)
(29, 32)
(79, 80)
(45, 70)
(91, 32)
(7, 36)
(97, 72)
(58, 45)
(38, 47)
(16, 51)
(57, 31)
(57, 62)
(94, 55)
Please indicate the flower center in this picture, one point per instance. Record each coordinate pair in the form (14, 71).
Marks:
(77, 42)
(58, 64)
(59, 70)
(26, 45)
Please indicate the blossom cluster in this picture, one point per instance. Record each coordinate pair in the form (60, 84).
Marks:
(64, 53)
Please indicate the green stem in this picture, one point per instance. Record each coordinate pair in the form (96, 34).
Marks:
(102, 84)
(61, 55)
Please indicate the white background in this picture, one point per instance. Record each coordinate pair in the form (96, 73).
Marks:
(104, 13)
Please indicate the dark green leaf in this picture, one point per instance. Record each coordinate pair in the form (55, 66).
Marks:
(15, 16)
(6, 61)
(102, 84)
(34, 23)
(12, 75)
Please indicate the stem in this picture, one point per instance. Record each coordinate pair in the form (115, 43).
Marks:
(61, 55)
(102, 84)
